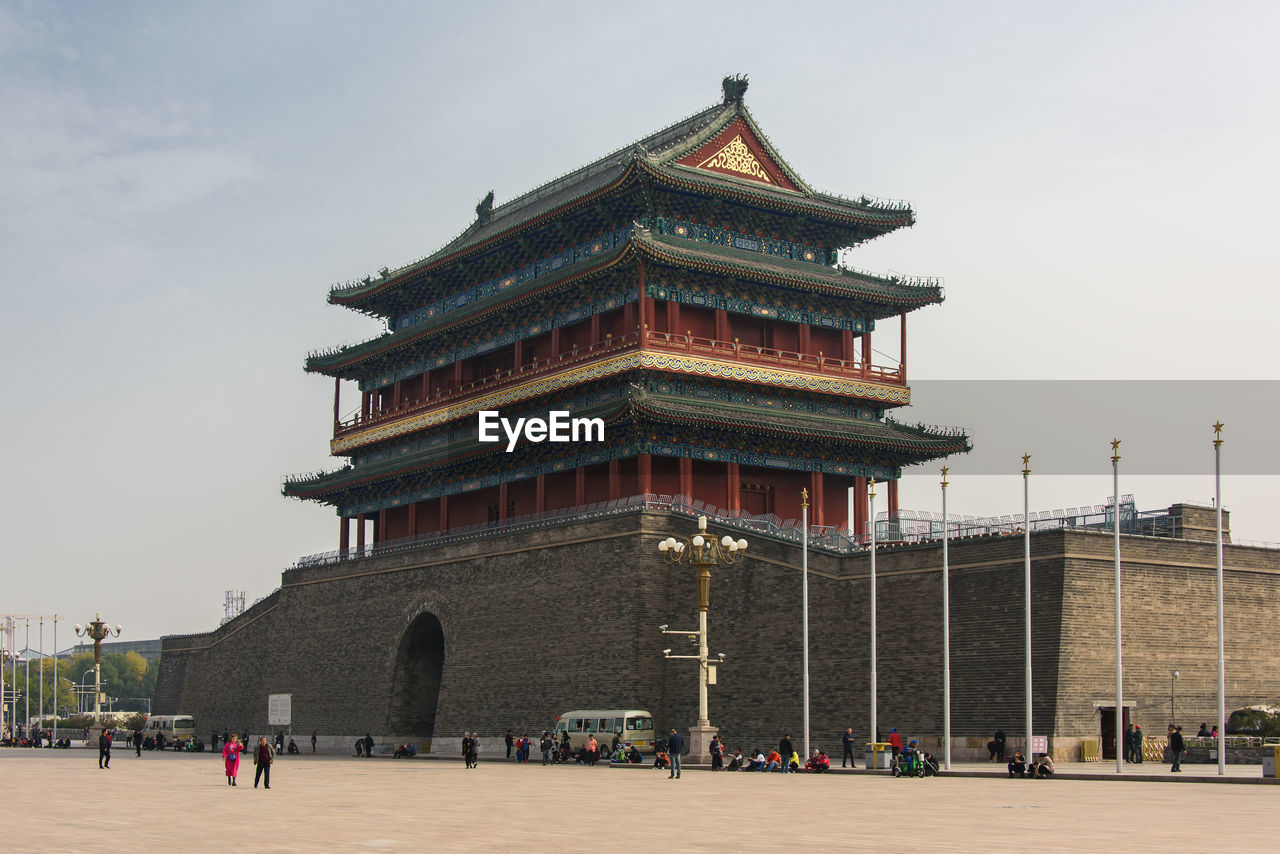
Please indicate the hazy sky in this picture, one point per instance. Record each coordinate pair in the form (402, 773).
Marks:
(182, 183)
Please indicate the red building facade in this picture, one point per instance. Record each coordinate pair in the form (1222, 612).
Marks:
(684, 291)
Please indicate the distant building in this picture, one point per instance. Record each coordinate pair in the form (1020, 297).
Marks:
(148, 649)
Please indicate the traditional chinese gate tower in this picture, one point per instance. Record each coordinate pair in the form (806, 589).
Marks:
(685, 290)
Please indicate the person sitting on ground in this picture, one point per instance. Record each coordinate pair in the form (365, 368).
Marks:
(756, 763)
(930, 762)
(773, 762)
(293, 746)
(813, 766)
(661, 759)
(735, 760)
(633, 754)
(359, 747)
(793, 761)
(1018, 765)
(1044, 770)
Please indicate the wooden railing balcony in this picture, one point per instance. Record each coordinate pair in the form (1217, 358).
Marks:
(768, 356)
(729, 351)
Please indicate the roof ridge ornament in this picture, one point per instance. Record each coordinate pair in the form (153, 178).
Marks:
(485, 208)
(734, 88)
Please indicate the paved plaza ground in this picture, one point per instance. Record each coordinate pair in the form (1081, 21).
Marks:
(59, 801)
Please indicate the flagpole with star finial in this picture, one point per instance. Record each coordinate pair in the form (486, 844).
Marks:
(1115, 490)
(1026, 567)
(1222, 662)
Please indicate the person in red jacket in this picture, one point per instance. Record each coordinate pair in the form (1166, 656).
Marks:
(895, 743)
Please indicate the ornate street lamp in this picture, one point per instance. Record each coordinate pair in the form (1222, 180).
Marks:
(97, 630)
(701, 552)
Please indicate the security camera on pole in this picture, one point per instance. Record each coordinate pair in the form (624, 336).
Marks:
(702, 552)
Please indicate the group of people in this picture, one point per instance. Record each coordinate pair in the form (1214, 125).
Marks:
(35, 738)
(263, 757)
(1019, 767)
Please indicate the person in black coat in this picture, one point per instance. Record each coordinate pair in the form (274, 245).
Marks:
(848, 742)
(675, 744)
(1176, 746)
(786, 749)
(104, 750)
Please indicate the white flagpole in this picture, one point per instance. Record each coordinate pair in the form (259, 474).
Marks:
(804, 593)
(1026, 566)
(40, 714)
(1120, 731)
(946, 635)
(55, 678)
(26, 677)
(1222, 662)
(871, 500)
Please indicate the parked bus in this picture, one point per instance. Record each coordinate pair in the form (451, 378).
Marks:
(633, 725)
(179, 730)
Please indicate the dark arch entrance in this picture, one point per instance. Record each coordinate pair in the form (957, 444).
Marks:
(415, 685)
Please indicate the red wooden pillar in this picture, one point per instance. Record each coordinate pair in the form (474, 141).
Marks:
(457, 373)
(555, 342)
(615, 480)
(893, 506)
(344, 533)
(673, 317)
(846, 345)
(733, 487)
(502, 501)
(380, 526)
(866, 349)
(803, 338)
(426, 385)
(644, 473)
(595, 328)
(337, 389)
(903, 349)
(722, 325)
(518, 354)
(540, 494)
(580, 486)
(628, 318)
(859, 509)
(817, 500)
(360, 532)
(366, 405)
(444, 513)
(396, 395)
(643, 305)
(413, 518)
(686, 477)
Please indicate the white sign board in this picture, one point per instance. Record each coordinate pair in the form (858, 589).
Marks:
(1039, 744)
(279, 709)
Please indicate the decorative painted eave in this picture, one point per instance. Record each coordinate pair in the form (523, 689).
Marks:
(920, 442)
(333, 364)
(893, 294)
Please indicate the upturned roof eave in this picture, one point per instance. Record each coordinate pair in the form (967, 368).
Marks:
(334, 364)
(856, 288)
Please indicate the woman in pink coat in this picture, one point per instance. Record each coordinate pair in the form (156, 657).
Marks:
(231, 758)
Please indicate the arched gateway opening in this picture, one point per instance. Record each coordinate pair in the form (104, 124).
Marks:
(415, 685)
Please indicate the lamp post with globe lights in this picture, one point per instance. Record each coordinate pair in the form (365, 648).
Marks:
(97, 631)
(701, 552)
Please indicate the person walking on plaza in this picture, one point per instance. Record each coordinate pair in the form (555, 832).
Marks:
(368, 745)
(231, 751)
(675, 744)
(1000, 740)
(263, 757)
(1176, 746)
(104, 750)
(313, 741)
(785, 749)
(1128, 744)
(545, 745)
(1137, 744)
(847, 741)
(137, 741)
(511, 742)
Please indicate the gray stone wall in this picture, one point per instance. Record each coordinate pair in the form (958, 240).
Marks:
(565, 617)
